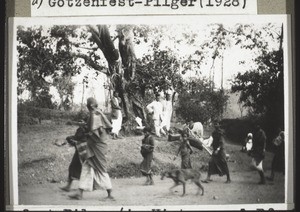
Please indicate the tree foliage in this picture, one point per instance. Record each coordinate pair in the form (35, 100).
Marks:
(197, 102)
(262, 88)
(65, 87)
(49, 56)
(41, 60)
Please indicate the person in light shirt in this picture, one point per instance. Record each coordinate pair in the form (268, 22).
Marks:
(155, 108)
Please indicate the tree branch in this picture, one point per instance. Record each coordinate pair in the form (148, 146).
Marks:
(91, 63)
(83, 47)
(96, 38)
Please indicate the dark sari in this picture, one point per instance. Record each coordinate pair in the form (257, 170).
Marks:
(78, 141)
(96, 145)
(218, 164)
(75, 167)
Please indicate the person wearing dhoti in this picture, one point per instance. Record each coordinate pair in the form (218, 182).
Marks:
(167, 112)
(258, 152)
(116, 115)
(218, 164)
(94, 168)
(147, 149)
(155, 108)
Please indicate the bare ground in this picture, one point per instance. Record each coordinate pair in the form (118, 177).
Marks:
(42, 165)
(131, 191)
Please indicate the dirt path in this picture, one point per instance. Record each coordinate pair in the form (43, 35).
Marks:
(127, 192)
(35, 146)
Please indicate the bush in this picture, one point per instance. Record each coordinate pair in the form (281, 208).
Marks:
(202, 106)
(237, 129)
(81, 115)
(28, 115)
(27, 120)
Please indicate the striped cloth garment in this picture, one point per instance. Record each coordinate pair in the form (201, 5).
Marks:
(81, 147)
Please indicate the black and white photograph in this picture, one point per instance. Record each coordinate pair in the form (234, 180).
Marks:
(183, 112)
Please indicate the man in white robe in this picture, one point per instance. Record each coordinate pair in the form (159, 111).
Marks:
(156, 108)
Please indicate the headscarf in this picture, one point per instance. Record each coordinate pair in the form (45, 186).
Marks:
(100, 120)
(92, 103)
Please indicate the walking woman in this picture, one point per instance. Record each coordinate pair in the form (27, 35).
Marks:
(218, 164)
(94, 169)
(147, 149)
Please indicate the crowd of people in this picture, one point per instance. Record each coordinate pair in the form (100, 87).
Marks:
(89, 165)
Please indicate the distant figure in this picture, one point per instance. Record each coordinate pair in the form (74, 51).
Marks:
(185, 151)
(218, 164)
(94, 169)
(278, 160)
(258, 152)
(156, 108)
(116, 115)
(147, 149)
(248, 143)
(167, 112)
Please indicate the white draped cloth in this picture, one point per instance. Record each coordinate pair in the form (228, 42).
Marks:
(197, 129)
(117, 122)
(167, 114)
(91, 179)
(156, 108)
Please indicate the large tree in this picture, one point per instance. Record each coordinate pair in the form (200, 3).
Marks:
(61, 51)
(64, 50)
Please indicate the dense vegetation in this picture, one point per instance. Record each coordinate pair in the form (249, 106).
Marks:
(51, 57)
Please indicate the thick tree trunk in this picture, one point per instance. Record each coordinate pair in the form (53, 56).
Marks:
(120, 72)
